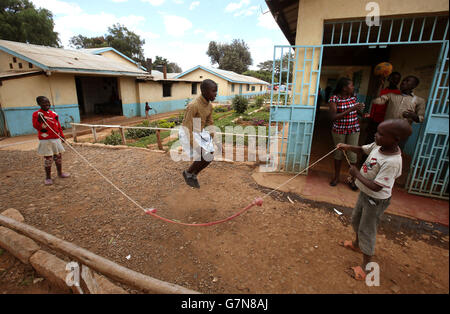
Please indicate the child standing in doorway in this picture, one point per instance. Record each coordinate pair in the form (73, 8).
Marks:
(50, 132)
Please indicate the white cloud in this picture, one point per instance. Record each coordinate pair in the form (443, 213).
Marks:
(69, 25)
(154, 2)
(187, 55)
(247, 12)
(233, 6)
(119, 1)
(58, 7)
(178, 1)
(267, 21)
(176, 25)
(261, 50)
(194, 5)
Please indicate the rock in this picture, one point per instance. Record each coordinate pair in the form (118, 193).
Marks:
(51, 268)
(13, 214)
(18, 245)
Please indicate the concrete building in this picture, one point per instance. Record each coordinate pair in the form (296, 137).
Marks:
(335, 38)
(81, 84)
(229, 83)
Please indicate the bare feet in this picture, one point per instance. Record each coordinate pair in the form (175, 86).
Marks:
(350, 245)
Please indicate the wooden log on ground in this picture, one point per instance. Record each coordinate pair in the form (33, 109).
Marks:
(122, 133)
(98, 263)
(158, 137)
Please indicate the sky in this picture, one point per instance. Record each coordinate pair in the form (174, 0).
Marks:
(179, 30)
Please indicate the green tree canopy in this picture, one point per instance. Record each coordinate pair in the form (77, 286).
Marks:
(21, 21)
(119, 37)
(262, 75)
(234, 57)
(172, 67)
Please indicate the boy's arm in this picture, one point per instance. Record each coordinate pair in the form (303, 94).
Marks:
(369, 183)
(355, 149)
(188, 122)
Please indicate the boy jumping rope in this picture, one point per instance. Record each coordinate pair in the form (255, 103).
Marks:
(50, 145)
(375, 181)
(198, 143)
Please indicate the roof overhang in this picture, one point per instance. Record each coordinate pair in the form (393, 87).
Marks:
(285, 13)
(221, 76)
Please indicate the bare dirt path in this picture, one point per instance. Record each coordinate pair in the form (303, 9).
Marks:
(278, 248)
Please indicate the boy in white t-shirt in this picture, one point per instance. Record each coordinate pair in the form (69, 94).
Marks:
(375, 181)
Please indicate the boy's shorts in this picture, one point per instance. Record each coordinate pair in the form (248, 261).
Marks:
(350, 139)
(365, 219)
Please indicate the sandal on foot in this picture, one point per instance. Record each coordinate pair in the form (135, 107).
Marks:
(64, 175)
(358, 273)
(48, 181)
(349, 245)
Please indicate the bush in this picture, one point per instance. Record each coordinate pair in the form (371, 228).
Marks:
(139, 133)
(259, 101)
(259, 122)
(166, 124)
(220, 109)
(113, 139)
(177, 120)
(240, 104)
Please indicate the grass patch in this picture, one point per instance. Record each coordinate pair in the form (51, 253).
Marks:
(148, 140)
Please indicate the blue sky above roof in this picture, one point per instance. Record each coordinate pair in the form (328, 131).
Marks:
(179, 30)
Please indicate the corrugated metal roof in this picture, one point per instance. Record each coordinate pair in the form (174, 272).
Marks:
(69, 61)
(227, 75)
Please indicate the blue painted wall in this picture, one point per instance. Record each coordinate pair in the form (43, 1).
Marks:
(226, 98)
(19, 119)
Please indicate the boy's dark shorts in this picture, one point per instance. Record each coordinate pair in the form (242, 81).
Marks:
(365, 219)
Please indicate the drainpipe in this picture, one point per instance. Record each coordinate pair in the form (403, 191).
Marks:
(165, 71)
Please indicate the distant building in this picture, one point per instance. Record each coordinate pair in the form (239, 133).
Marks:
(80, 84)
(230, 83)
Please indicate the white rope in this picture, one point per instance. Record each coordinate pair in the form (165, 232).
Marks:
(139, 206)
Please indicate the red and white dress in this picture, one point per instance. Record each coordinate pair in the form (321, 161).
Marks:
(49, 133)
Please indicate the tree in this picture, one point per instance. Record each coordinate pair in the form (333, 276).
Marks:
(234, 57)
(262, 75)
(21, 21)
(172, 67)
(118, 37)
(267, 66)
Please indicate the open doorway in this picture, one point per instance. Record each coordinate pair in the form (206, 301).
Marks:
(358, 63)
(98, 97)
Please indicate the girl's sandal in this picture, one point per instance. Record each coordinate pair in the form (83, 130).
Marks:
(48, 182)
(349, 245)
(64, 175)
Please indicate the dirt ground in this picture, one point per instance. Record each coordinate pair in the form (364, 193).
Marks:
(278, 248)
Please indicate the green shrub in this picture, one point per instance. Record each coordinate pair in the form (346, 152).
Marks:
(220, 109)
(113, 139)
(166, 124)
(259, 101)
(240, 104)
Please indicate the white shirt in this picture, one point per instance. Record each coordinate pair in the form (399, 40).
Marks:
(381, 168)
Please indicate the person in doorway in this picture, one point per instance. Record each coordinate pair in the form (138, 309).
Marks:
(50, 132)
(378, 111)
(346, 129)
(195, 139)
(375, 181)
(405, 105)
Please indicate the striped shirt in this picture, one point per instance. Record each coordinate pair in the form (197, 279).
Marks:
(350, 123)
